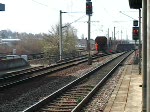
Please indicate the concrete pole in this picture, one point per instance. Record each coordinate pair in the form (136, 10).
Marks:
(114, 44)
(108, 32)
(118, 35)
(139, 41)
(114, 34)
(112, 40)
(148, 55)
(126, 36)
(144, 54)
(60, 36)
(89, 48)
(108, 41)
(135, 50)
(121, 36)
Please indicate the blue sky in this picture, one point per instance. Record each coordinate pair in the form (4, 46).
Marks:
(38, 16)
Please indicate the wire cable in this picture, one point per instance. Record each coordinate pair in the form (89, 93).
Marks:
(39, 3)
(126, 15)
(74, 21)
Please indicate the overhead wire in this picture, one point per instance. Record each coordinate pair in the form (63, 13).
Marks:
(45, 5)
(75, 21)
(126, 15)
(40, 3)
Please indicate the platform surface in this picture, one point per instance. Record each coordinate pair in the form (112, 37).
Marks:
(127, 96)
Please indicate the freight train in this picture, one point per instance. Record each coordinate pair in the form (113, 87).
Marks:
(103, 45)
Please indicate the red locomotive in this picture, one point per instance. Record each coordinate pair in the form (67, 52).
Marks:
(101, 44)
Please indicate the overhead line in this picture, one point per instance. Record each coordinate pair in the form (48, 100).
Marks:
(75, 21)
(126, 15)
(39, 3)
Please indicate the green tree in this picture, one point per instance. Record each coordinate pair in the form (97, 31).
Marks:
(70, 39)
(51, 41)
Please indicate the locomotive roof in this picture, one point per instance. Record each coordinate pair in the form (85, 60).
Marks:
(100, 37)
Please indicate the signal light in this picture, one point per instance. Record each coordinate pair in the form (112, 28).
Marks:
(88, 8)
(135, 23)
(135, 33)
(2, 7)
(135, 4)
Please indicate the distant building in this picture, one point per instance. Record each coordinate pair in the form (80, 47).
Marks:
(82, 43)
(9, 42)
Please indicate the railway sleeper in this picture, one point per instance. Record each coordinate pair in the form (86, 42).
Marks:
(61, 107)
(81, 89)
(72, 97)
(65, 102)
(48, 110)
(68, 94)
(77, 92)
(68, 98)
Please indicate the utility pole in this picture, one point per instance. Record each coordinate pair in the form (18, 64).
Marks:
(121, 36)
(148, 55)
(114, 34)
(126, 36)
(114, 44)
(144, 54)
(89, 13)
(139, 41)
(89, 48)
(112, 40)
(60, 36)
(108, 43)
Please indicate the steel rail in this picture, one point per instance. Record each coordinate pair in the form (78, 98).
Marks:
(58, 92)
(31, 70)
(96, 88)
(53, 69)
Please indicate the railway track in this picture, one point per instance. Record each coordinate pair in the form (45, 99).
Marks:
(37, 69)
(72, 97)
(22, 76)
(19, 72)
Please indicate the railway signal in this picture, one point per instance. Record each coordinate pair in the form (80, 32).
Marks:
(135, 23)
(88, 7)
(135, 4)
(2, 7)
(89, 13)
(135, 33)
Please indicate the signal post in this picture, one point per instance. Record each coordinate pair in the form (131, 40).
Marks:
(135, 36)
(138, 4)
(89, 13)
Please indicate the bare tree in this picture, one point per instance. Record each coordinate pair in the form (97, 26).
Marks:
(51, 46)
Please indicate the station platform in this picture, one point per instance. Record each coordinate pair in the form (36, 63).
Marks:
(127, 96)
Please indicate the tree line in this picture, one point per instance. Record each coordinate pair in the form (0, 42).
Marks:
(36, 43)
